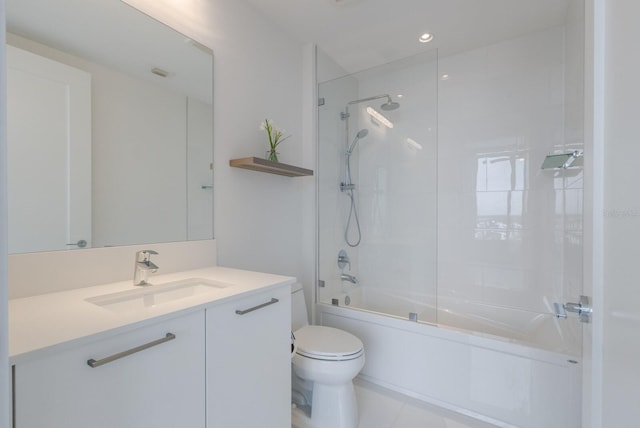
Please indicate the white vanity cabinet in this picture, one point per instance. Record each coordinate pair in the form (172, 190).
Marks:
(249, 361)
(161, 385)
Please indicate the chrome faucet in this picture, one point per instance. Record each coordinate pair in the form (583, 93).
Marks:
(143, 266)
(346, 277)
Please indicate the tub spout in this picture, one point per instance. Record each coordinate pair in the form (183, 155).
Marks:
(346, 277)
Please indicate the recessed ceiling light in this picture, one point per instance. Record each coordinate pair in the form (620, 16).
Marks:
(444, 77)
(425, 38)
(399, 96)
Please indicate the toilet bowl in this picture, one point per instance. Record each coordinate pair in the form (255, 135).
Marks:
(326, 360)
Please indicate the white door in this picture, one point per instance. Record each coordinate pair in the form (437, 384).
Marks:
(49, 153)
(199, 170)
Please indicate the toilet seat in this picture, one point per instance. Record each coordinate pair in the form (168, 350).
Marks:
(327, 344)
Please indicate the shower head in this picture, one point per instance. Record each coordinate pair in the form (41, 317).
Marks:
(361, 134)
(389, 105)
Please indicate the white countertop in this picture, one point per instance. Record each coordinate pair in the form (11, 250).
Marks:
(46, 322)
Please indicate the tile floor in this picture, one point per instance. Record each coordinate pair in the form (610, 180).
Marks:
(382, 408)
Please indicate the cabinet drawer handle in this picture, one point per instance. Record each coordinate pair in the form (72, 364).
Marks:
(255, 308)
(93, 363)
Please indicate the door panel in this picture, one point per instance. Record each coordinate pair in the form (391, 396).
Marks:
(48, 125)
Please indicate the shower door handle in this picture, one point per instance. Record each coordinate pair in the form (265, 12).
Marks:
(582, 308)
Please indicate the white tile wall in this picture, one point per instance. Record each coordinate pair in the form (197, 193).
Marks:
(509, 234)
(471, 215)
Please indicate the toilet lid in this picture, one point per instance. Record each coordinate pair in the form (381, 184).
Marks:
(327, 343)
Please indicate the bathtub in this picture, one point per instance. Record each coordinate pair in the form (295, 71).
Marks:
(507, 367)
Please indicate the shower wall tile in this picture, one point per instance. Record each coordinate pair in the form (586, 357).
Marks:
(459, 280)
(460, 174)
(509, 234)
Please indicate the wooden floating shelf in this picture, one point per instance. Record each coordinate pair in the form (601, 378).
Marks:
(263, 165)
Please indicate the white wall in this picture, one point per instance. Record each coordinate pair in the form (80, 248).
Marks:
(621, 319)
(4, 360)
(140, 161)
(258, 218)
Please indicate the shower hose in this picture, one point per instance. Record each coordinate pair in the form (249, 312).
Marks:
(353, 213)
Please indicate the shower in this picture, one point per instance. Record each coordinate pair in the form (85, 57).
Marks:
(347, 184)
(390, 105)
(348, 187)
(450, 234)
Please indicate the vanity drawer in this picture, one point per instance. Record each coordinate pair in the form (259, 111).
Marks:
(149, 377)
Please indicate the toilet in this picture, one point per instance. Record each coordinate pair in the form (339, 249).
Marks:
(324, 363)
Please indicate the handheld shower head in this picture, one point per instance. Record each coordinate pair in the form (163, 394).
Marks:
(361, 134)
(389, 105)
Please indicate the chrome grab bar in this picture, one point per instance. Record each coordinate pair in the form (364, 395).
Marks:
(255, 308)
(96, 363)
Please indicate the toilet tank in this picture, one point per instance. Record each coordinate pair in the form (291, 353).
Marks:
(299, 316)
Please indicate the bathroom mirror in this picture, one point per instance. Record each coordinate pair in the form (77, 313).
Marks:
(110, 134)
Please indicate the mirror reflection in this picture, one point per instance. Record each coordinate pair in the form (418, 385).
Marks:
(110, 135)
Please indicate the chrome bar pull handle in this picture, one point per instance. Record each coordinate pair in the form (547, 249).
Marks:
(255, 308)
(97, 363)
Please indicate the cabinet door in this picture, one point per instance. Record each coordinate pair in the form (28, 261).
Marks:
(249, 362)
(160, 386)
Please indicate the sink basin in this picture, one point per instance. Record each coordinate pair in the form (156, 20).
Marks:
(155, 295)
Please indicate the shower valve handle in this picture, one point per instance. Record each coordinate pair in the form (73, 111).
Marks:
(343, 260)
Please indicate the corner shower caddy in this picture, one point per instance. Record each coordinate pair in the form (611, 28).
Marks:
(263, 165)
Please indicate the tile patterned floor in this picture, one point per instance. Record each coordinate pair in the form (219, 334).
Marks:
(381, 408)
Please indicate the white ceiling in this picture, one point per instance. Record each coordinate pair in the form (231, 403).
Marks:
(359, 34)
(118, 36)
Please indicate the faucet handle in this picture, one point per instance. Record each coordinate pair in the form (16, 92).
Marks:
(343, 259)
(143, 266)
(144, 255)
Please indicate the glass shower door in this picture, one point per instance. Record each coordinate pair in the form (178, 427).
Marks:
(377, 189)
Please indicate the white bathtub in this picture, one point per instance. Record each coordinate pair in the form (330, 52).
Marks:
(511, 368)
